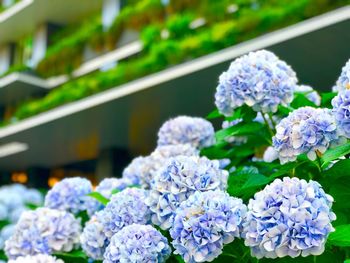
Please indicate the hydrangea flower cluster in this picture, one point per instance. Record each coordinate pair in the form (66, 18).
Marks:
(125, 208)
(43, 231)
(93, 240)
(70, 195)
(105, 188)
(259, 79)
(40, 258)
(14, 200)
(270, 155)
(137, 243)
(142, 170)
(343, 82)
(310, 94)
(177, 180)
(290, 217)
(204, 223)
(341, 111)
(305, 130)
(187, 130)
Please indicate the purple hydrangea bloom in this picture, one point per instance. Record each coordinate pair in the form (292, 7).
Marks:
(125, 208)
(195, 131)
(40, 258)
(204, 223)
(70, 195)
(343, 82)
(93, 240)
(177, 180)
(142, 170)
(43, 231)
(105, 188)
(137, 243)
(259, 79)
(341, 111)
(311, 94)
(290, 217)
(305, 130)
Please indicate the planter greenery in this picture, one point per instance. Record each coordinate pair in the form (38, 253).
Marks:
(181, 45)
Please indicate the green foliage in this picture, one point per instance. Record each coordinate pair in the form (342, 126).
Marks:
(181, 45)
(341, 236)
(99, 197)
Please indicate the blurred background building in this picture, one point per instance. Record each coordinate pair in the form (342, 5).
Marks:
(85, 84)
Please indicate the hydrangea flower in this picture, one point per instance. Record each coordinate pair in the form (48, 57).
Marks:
(40, 258)
(305, 130)
(259, 79)
(142, 170)
(341, 111)
(343, 82)
(93, 240)
(70, 194)
(234, 139)
(125, 208)
(105, 188)
(290, 217)
(5, 233)
(137, 243)
(270, 155)
(184, 129)
(43, 231)
(177, 180)
(204, 223)
(311, 94)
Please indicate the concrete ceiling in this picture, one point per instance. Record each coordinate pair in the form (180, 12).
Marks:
(131, 122)
(14, 25)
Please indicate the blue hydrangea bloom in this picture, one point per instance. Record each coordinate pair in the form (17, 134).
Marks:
(177, 180)
(259, 79)
(105, 188)
(142, 170)
(138, 244)
(43, 231)
(40, 258)
(204, 223)
(187, 130)
(5, 233)
(70, 195)
(290, 217)
(270, 155)
(305, 130)
(343, 82)
(341, 111)
(93, 240)
(125, 208)
(311, 94)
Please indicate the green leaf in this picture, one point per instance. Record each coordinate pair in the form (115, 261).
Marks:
(255, 180)
(103, 200)
(75, 256)
(214, 115)
(347, 261)
(341, 236)
(300, 100)
(335, 153)
(238, 130)
(326, 99)
(339, 169)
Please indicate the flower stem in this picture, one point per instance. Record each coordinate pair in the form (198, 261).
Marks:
(267, 125)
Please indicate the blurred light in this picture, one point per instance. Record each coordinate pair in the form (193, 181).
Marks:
(12, 148)
(52, 181)
(232, 8)
(198, 23)
(19, 178)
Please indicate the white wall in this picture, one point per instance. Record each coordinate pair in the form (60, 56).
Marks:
(39, 45)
